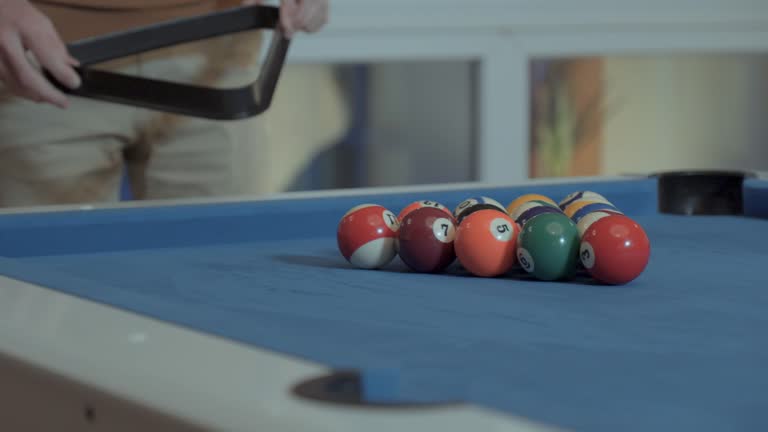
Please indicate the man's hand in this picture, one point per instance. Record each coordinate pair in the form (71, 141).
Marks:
(303, 15)
(300, 15)
(29, 40)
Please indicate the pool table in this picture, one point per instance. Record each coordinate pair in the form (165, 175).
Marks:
(241, 314)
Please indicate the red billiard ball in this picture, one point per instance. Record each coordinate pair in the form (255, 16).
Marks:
(615, 249)
(420, 204)
(366, 236)
(426, 240)
(486, 243)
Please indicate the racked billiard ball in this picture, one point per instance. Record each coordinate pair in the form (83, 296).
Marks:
(579, 209)
(615, 249)
(426, 240)
(584, 223)
(485, 242)
(471, 205)
(529, 210)
(366, 236)
(522, 199)
(582, 196)
(548, 247)
(423, 203)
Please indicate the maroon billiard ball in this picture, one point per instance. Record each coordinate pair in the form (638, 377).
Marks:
(425, 240)
(614, 249)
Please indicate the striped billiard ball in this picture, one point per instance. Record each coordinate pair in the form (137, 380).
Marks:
(420, 204)
(366, 236)
(471, 205)
(531, 209)
(582, 196)
(586, 222)
(522, 199)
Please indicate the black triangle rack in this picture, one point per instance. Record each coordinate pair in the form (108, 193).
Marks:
(181, 98)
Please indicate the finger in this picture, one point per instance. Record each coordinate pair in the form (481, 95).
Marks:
(30, 81)
(10, 82)
(313, 16)
(288, 10)
(52, 55)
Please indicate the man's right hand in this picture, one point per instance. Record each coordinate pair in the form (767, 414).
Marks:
(28, 40)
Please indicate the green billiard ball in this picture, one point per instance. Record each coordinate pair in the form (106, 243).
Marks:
(548, 247)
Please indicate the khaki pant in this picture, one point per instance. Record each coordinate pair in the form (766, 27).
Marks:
(79, 155)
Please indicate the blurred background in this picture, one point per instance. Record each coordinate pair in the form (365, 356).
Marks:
(390, 121)
(412, 123)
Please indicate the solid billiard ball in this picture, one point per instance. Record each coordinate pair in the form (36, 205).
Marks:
(522, 199)
(420, 204)
(582, 196)
(548, 247)
(426, 239)
(366, 236)
(529, 210)
(615, 249)
(471, 205)
(485, 242)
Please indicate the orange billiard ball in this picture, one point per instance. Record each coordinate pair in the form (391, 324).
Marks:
(486, 241)
(367, 236)
(614, 249)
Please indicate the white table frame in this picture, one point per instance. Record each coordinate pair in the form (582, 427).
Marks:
(68, 364)
(504, 35)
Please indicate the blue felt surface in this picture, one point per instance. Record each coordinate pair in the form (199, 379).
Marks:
(681, 348)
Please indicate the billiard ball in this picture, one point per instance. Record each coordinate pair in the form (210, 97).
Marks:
(485, 242)
(591, 208)
(471, 205)
(420, 204)
(584, 223)
(577, 206)
(580, 196)
(529, 210)
(366, 236)
(426, 239)
(548, 247)
(522, 199)
(615, 249)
